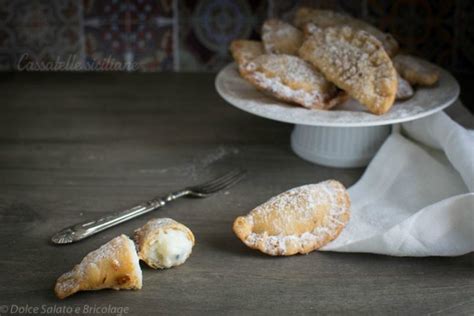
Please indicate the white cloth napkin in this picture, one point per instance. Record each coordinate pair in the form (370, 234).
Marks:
(416, 196)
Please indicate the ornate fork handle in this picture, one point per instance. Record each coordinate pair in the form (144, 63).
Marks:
(89, 228)
(86, 229)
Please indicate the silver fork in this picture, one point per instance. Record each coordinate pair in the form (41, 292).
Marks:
(86, 229)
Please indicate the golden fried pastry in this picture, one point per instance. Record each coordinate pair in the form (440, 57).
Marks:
(309, 29)
(416, 70)
(115, 265)
(356, 62)
(244, 51)
(300, 220)
(280, 37)
(164, 243)
(328, 18)
(404, 89)
(290, 78)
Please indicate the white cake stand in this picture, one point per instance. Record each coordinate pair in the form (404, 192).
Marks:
(346, 136)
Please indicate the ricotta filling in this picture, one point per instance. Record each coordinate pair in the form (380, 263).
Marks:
(171, 248)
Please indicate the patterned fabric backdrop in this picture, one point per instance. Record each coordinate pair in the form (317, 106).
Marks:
(182, 35)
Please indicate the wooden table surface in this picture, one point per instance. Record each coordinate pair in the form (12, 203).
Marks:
(77, 146)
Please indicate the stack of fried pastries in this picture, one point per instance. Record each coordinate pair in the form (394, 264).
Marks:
(325, 57)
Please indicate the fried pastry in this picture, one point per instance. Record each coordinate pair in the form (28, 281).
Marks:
(404, 89)
(244, 51)
(300, 220)
(280, 37)
(416, 70)
(328, 18)
(164, 243)
(356, 62)
(292, 79)
(309, 29)
(115, 265)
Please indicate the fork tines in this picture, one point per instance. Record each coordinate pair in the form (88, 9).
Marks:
(226, 180)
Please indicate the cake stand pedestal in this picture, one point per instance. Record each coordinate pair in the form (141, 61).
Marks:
(341, 147)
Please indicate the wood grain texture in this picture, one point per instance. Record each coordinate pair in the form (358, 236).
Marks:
(75, 146)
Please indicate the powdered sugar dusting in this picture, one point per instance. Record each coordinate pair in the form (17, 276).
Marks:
(160, 222)
(308, 99)
(318, 208)
(292, 78)
(328, 18)
(70, 282)
(356, 62)
(291, 68)
(404, 89)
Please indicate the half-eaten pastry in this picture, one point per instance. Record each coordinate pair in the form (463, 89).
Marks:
(114, 265)
(164, 243)
(300, 220)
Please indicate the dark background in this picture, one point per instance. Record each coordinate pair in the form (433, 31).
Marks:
(189, 36)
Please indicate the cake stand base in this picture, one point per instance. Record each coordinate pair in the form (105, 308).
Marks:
(342, 147)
